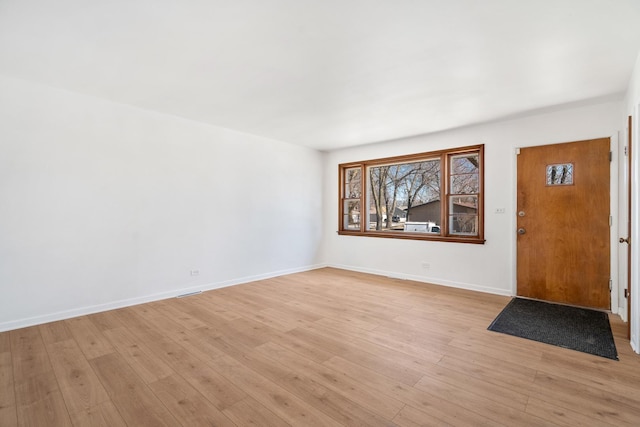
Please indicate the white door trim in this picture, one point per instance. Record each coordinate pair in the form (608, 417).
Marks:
(635, 232)
(614, 207)
(623, 218)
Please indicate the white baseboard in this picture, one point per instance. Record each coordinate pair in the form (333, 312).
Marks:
(82, 311)
(622, 312)
(434, 281)
(633, 345)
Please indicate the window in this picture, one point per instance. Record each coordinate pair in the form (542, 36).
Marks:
(427, 196)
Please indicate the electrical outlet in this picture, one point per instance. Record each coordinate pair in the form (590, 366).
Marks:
(426, 265)
(195, 272)
(499, 210)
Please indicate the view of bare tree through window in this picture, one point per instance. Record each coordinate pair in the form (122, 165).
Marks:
(353, 189)
(463, 199)
(424, 196)
(395, 189)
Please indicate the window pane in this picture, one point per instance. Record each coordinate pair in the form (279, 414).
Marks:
(399, 194)
(465, 174)
(464, 163)
(351, 220)
(353, 180)
(464, 184)
(463, 215)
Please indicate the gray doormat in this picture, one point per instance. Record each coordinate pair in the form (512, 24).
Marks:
(575, 328)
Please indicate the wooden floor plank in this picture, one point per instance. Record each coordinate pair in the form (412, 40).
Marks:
(78, 383)
(199, 312)
(221, 392)
(377, 403)
(39, 401)
(136, 403)
(449, 411)
(500, 353)
(188, 405)
(563, 416)
(284, 404)
(48, 411)
(35, 388)
(221, 307)
(196, 342)
(473, 366)
(250, 412)
(412, 417)
(323, 347)
(55, 332)
(8, 415)
(249, 333)
(346, 323)
(516, 399)
(5, 342)
(140, 357)
(106, 320)
(473, 362)
(89, 337)
(611, 378)
(37, 394)
(103, 415)
(172, 308)
(336, 405)
(28, 353)
(482, 404)
(395, 364)
(601, 406)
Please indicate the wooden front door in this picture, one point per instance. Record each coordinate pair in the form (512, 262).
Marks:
(563, 249)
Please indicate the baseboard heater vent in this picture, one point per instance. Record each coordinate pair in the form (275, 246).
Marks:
(189, 294)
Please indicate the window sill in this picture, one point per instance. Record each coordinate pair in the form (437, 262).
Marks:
(414, 236)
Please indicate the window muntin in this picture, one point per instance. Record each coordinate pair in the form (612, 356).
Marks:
(427, 196)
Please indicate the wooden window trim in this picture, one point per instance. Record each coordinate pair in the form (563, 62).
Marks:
(445, 195)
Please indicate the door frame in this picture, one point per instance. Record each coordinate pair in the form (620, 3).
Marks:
(624, 215)
(613, 209)
(635, 232)
(627, 198)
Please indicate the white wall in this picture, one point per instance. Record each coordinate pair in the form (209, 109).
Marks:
(632, 103)
(104, 205)
(489, 267)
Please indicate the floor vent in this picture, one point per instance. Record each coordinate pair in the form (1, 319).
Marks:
(189, 294)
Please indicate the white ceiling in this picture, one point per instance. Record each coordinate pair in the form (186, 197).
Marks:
(326, 73)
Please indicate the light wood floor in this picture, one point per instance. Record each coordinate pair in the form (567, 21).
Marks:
(322, 348)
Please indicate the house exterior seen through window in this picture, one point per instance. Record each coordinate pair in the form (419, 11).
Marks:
(426, 196)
